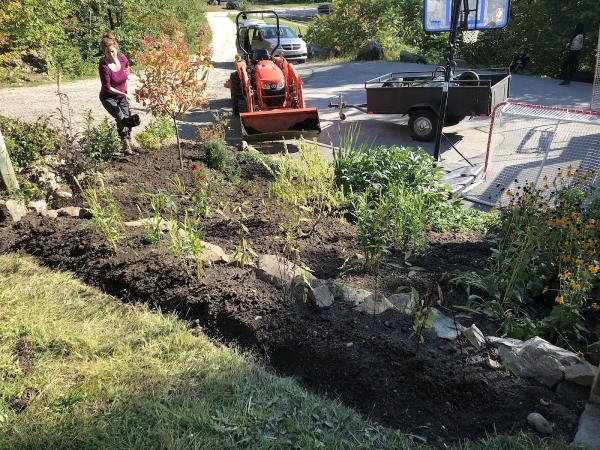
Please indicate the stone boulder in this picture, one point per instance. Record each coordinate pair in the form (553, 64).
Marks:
(538, 359)
(371, 51)
(443, 326)
(404, 302)
(375, 304)
(349, 294)
(414, 58)
(13, 210)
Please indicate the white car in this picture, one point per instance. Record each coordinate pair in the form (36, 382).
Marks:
(255, 34)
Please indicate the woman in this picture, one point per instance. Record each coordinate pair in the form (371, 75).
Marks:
(113, 94)
(574, 46)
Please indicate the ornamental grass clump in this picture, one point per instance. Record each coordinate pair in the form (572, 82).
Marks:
(545, 254)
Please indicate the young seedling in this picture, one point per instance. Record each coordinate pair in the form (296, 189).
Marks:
(421, 321)
(243, 251)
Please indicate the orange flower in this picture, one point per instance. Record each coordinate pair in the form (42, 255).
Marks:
(593, 268)
(559, 299)
(579, 261)
(566, 258)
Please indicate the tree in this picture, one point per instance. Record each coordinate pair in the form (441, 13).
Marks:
(173, 81)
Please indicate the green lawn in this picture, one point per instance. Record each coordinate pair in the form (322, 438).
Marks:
(80, 370)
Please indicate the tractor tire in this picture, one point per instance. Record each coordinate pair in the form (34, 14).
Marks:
(235, 88)
(423, 125)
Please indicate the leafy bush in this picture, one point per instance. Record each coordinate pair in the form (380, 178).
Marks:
(219, 157)
(156, 133)
(27, 142)
(397, 217)
(545, 251)
(100, 142)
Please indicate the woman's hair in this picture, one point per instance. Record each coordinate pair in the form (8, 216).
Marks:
(108, 40)
(578, 30)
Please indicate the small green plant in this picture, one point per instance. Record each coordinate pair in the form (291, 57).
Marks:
(178, 185)
(307, 185)
(100, 142)
(372, 228)
(216, 130)
(243, 250)
(193, 244)
(219, 157)
(106, 216)
(157, 204)
(422, 316)
(203, 196)
(159, 130)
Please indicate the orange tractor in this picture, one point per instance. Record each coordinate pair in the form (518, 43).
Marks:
(266, 90)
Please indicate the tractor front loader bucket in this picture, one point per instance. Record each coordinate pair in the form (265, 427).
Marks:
(278, 124)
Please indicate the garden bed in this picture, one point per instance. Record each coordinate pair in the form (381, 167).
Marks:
(445, 393)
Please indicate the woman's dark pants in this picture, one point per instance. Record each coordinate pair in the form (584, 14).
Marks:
(571, 65)
(118, 107)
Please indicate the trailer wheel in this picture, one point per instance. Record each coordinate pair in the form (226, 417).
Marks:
(235, 87)
(423, 124)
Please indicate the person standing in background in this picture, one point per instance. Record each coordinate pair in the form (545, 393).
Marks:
(113, 93)
(572, 61)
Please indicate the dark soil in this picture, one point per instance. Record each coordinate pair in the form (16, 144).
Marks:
(444, 393)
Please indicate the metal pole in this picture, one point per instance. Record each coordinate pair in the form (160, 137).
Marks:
(449, 57)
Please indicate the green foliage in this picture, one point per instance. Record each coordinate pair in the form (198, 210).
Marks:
(545, 28)
(545, 251)
(219, 157)
(66, 32)
(27, 142)
(394, 25)
(106, 216)
(100, 142)
(307, 184)
(159, 130)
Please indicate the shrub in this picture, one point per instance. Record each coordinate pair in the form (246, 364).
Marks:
(545, 251)
(27, 142)
(219, 157)
(100, 142)
(156, 133)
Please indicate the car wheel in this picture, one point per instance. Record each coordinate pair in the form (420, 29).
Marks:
(423, 125)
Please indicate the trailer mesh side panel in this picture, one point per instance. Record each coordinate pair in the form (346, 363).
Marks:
(530, 143)
(595, 105)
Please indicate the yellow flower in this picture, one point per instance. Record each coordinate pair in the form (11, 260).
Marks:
(566, 258)
(596, 306)
(580, 354)
(575, 286)
(559, 299)
(593, 268)
(579, 261)
(565, 275)
(509, 193)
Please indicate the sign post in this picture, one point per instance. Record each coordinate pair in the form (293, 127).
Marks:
(6, 168)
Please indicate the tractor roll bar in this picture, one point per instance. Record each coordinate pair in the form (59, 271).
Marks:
(244, 15)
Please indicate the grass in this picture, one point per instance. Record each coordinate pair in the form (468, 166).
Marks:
(80, 370)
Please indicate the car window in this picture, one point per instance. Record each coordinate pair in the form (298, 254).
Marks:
(269, 32)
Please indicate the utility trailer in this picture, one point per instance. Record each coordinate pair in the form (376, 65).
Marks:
(418, 94)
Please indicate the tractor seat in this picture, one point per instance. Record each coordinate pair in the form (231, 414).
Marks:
(260, 54)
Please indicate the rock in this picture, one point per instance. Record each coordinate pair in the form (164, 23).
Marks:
(589, 425)
(539, 423)
(474, 336)
(280, 272)
(582, 374)
(38, 205)
(404, 302)
(375, 304)
(48, 179)
(164, 225)
(314, 51)
(318, 292)
(492, 364)
(212, 254)
(536, 358)
(14, 210)
(348, 294)
(409, 57)
(442, 326)
(572, 390)
(69, 211)
(63, 191)
(371, 51)
(50, 213)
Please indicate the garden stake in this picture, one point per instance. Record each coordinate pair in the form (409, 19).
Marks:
(6, 168)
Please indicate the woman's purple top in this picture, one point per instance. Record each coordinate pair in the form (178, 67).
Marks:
(113, 79)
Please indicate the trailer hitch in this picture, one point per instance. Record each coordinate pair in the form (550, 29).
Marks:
(341, 105)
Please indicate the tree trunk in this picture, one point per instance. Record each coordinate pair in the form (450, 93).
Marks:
(178, 142)
(6, 169)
